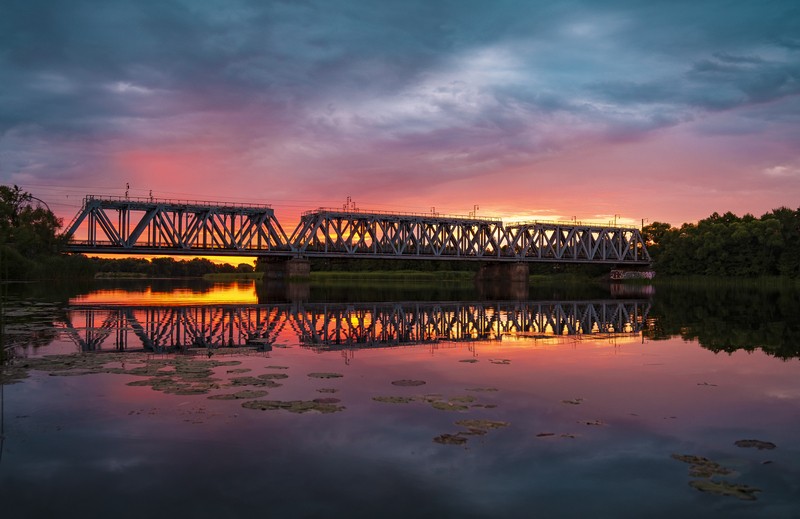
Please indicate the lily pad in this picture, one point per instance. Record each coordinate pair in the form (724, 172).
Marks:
(702, 467)
(758, 444)
(277, 367)
(574, 401)
(253, 381)
(238, 371)
(500, 361)
(482, 424)
(327, 390)
(482, 389)
(394, 399)
(470, 361)
(725, 488)
(293, 406)
(408, 383)
(329, 400)
(325, 375)
(240, 395)
(273, 376)
(448, 406)
(450, 439)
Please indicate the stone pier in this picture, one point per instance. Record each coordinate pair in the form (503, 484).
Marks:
(504, 272)
(283, 268)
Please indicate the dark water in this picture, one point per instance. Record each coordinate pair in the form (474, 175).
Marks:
(559, 402)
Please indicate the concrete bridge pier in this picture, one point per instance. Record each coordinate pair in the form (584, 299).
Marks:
(503, 281)
(504, 272)
(284, 268)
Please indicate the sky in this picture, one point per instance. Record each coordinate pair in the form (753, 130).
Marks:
(636, 111)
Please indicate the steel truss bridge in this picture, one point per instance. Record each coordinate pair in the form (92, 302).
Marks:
(148, 226)
(346, 326)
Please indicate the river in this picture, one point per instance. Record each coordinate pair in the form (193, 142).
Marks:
(156, 398)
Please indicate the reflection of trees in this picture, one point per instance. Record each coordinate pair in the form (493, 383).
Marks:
(729, 318)
(28, 324)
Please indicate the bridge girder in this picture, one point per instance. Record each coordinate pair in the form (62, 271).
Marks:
(170, 227)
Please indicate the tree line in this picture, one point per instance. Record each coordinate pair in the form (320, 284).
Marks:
(728, 245)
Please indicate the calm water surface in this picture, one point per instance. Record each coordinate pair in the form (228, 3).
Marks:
(142, 399)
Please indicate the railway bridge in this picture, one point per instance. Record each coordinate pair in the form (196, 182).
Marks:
(112, 225)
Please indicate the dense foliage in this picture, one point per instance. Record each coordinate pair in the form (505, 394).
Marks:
(729, 245)
(28, 233)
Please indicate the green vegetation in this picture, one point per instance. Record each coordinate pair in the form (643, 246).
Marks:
(729, 246)
(234, 276)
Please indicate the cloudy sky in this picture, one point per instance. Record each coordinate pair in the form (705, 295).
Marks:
(665, 110)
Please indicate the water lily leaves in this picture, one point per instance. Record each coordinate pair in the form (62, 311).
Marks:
(293, 406)
(758, 444)
(482, 424)
(725, 488)
(450, 439)
(327, 390)
(408, 383)
(394, 399)
(240, 395)
(448, 406)
(273, 376)
(482, 389)
(500, 361)
(470, 361)
(325, 375)
(702, 467)
(253, 381)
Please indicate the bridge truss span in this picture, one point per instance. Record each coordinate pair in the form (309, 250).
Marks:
(176, 227)
(344, 233)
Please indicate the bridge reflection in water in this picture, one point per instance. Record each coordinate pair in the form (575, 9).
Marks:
(346, 325)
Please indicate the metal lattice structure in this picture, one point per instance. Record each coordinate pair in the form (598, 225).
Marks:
(344, 326)
(170, 227)
(150, 226)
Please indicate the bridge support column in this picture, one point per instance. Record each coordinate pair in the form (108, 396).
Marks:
(504, 272)
(284, 268)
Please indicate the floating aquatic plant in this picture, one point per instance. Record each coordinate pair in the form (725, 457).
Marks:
(450, 439)
(702, 467)
(293, 406)
(240, 395)
(482, 424)
(408, 383)
(725, 488)
(325, 375)
(394, 399)
(758, 444)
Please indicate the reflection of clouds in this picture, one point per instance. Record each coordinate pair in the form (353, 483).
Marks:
(784, 394)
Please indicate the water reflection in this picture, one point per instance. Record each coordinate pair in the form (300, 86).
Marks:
(345, 325)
